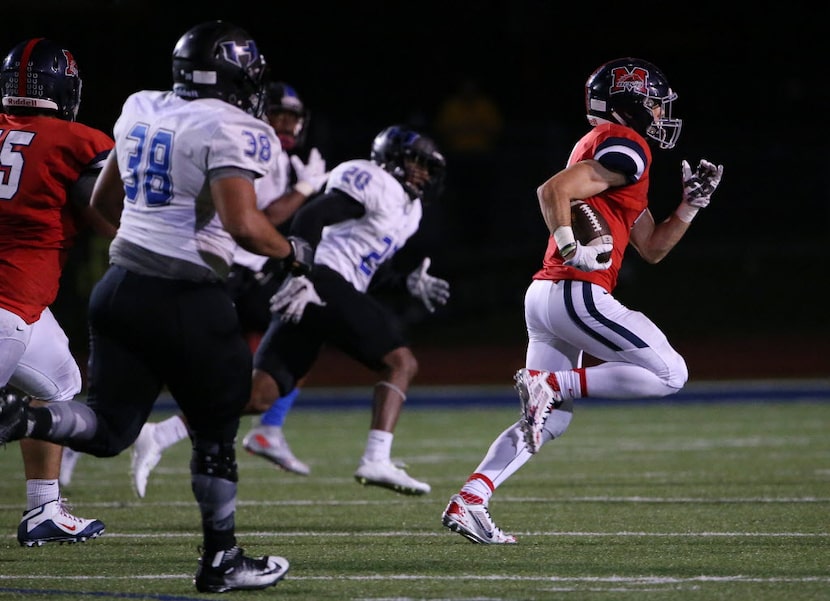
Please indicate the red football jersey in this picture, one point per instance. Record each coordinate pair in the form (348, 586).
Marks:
(40, 159)
(620, 206)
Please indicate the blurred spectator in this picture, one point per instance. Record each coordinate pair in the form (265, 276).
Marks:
(469, 125)
(469, 122)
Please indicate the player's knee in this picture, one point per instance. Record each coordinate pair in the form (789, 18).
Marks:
(265, 390)
(214, 459)
(678, 374)
(69, 384)
(402, 362)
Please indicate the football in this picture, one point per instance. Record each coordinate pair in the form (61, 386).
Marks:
(590, 227)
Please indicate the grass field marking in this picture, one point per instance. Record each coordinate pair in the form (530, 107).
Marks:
(645, 579)
(447, 534)
(637, 499)
(506, 499)
(97, 594)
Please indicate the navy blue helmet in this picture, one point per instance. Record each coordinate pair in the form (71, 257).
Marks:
(41, 75)
(627, 91)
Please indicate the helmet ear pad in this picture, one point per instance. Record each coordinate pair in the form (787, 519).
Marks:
(638, 117)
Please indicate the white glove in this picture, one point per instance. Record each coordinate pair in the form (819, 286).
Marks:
(293, 296)
(428, 289)
(312, 175)
(584, 257)
(698, 187)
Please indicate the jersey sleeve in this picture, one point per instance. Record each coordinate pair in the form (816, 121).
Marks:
(246, 143)
(616, 148)
(622, 155)
(362, 180)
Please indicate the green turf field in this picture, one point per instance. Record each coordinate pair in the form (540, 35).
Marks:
(636, 502)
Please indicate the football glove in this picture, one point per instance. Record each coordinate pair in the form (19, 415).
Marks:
(301, 259)
(271, 270)
(697, 188)
(310, 176)
(293, 297)
(584, 257)
(428, 289)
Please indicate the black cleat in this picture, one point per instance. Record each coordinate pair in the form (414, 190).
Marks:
(231, 570)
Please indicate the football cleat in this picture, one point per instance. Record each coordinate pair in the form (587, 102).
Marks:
(231, 570)
(145, 456)
(269, 442)
(473, 522)
(387, 475)
(52, 523)
(538, 399)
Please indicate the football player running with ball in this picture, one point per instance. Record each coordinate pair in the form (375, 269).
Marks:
(569, 307)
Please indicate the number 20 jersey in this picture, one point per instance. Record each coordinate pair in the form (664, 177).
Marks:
(356, 247)
(165, 147)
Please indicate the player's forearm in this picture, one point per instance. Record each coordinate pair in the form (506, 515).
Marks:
(257, 235)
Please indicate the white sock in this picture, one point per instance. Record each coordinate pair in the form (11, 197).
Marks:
(39, 492)
(570, 386)
(378, 446)
(170, 431)
(478, 488)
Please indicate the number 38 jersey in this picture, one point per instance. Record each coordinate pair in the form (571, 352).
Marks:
(165, 147)
(356, 247)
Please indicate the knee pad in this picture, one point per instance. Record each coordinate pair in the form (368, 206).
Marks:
(215, 460)
(559, 419)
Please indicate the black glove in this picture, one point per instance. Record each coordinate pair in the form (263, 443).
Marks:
(273, 270)
(301, 259)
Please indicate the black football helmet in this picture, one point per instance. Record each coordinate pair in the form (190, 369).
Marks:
(217, 59)
(626, 91)
(40, 74)
(283, 98)
(393, 147)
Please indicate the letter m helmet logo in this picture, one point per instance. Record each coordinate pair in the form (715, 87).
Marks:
(629, 80)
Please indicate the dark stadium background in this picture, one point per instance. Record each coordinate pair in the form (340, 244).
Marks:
(742, 295)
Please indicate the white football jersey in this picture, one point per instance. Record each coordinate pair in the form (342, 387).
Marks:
(165, 147)
(356, 247)
(268, 188)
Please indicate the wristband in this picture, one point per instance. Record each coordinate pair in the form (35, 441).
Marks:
(686, 212)
(304, 188)
(564, 238)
